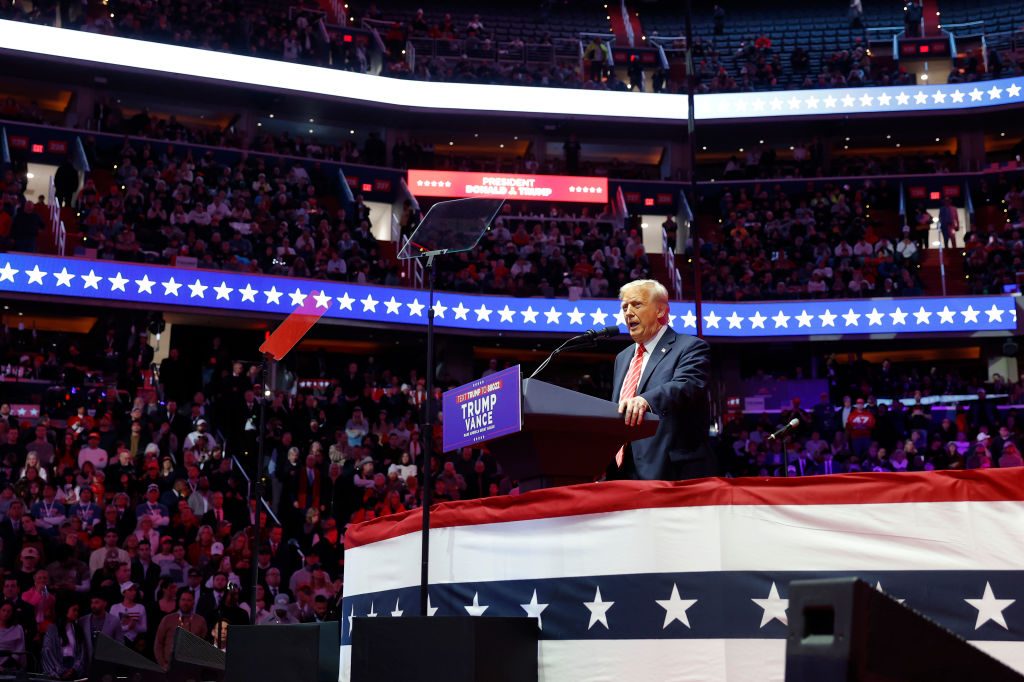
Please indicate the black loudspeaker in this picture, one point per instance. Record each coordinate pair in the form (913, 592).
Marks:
(194, 659)
(453, 649)
(306, 652)
(112, 660)
(843, 630)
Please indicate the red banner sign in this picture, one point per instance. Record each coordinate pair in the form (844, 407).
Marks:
(18, 141)
(57, 147)
(509, 185)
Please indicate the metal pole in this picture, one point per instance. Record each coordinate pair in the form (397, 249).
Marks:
(428, 443)
(691, 83)
(257, 490)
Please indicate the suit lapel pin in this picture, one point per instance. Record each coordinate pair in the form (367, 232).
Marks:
(663, 350)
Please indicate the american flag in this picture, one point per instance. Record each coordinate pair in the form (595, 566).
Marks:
(689, 580)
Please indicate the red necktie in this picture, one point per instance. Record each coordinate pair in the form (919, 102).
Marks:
(629, 389)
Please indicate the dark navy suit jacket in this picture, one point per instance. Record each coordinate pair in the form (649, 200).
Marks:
(674, 384)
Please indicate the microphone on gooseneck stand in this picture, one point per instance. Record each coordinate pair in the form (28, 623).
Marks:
(587, 338)
(792, 424)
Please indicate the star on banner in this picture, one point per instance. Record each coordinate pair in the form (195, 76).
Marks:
(171, 287)
(598, 610)
(620, 319)
(1013, 91)
(460, 311)
(781, 320)
(599, 317)
(939, 97)
(369, 304)
(923, 316)
(533, 610)
(223, 291)
(345, 301)
(689, 319)
(198, 289)
(575, 317)
(875, 317)
(553, 316)
(92, 281)
(7, 273)
(794, 102)
(990, 608)
(776, 104)
(828, 319)
(903, 99)
(970, 315)
(920, 97)
(475, 609)
(803, 319)
(483, 313)
(994, 92)
(36, 275)
(397, 613)
(757, 320)
(530, 315)
(145, 284)
(415, 308)
(774, 607)
(273, 296)
(957, 96)
(812, 102)
(898, 317)
(994, 314)
(975, 95)
(711, 320)
(735, 321)
(248, 293)
(866, 100)
(884, 99)
(372, 613)
(431, 610)
(830, 102)
(507, 314)
(675, 608)
(878, 586)
(848, 100)
(946, 315)
(439, 309)
(393, 306)
(298, 298)
(324, 301)
(64, 278)
(851, 318)
(117, 282)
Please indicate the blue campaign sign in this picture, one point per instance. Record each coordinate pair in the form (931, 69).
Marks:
(206, 291)
(483, 409)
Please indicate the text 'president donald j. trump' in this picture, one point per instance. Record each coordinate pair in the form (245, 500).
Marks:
(666, 373)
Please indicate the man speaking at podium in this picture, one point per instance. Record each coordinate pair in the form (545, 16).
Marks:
(666, 373)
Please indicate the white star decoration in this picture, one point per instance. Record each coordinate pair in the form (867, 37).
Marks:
(922, 315)
(92, 281)
(248, 293)
(994, 314)
(828, 319)
(145, 284)
(7, 273)
(431, 610)
(298, 298)
(875, 317)
(483, 313)
(774, 607)
(689, 319)
(530, 315)
(117, 283)
(171, 287)
(35, 275)
(599, 317)
(990, 608)
(803, 319)
(460, 311)
(397, 613)
(345, 302)
(711, 320)
(946, 315)
(475, 609)
(198, 289)
(757, 320)
(970, 315)
(781, 320)
(851, 318)
(369, 304)
(273, 296)
(223, 291)
(899, 317)
(575, 317)
(598, 610)
(439, 309)
(507, 314)
(533, 610)
(415, 308)
(553, 315)
(393, 306)
(675, 608)
(735, 321)
(1013, 91)
(324, 301)
(64, 278)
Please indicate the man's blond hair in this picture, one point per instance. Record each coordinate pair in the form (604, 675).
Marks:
(657, 291)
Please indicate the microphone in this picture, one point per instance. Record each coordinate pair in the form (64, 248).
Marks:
(587, 338)
(793, 423)
(295, 544)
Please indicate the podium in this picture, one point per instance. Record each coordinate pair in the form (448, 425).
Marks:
(566, 438)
